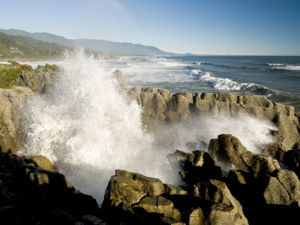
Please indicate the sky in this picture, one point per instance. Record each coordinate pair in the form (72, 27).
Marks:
(251, 27)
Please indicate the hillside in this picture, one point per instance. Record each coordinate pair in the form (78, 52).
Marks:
(26, 47)
(116, 48)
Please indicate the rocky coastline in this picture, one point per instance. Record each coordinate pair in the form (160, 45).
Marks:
(227, 184)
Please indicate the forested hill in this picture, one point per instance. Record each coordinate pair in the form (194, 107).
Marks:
(94, 45)
(26, 47)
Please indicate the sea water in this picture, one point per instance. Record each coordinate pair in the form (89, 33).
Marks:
(276, 77)
(88, 128)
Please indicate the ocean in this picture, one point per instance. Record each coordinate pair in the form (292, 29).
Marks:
(86, 127)
(276, 77)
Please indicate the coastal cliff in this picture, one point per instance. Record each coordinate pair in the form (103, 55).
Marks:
(161, 107)
(17, 84)
(223, 184)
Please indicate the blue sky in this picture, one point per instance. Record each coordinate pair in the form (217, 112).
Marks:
(200, 26)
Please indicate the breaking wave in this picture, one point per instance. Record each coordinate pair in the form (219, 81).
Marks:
(87, 128)
(223, 84)
(280, 66)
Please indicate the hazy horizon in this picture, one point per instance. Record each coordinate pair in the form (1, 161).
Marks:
(198, 27)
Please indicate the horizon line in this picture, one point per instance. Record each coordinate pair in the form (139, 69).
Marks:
(195, 53)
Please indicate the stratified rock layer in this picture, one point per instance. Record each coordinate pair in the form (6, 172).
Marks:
(136, 199)
(252, 187)
(11, 102)
(160, 107)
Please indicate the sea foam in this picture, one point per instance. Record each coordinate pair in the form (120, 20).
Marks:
(224, 84)
(87, 128)
(280, 66)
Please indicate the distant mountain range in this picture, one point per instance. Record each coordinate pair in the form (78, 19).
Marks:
(116, 48)
(12, 47)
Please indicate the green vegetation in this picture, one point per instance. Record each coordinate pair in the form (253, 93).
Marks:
(32, 81)
(25, 47)
(10, 74)
(48, 67)
(8, 77)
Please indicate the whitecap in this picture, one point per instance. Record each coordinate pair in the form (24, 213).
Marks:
(224, 83)
(281, 66)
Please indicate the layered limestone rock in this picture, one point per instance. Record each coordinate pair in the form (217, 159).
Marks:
(11, 101)
(39, 80)
(127, 189)
(255, 181)
(140, 195)
(32, 82)
(196, 166)
(149, 201)
(255, 178)
(283, 188)
(160, 107)
(229, 152)
(225, 209)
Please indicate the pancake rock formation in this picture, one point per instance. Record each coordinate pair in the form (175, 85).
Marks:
(161, 107)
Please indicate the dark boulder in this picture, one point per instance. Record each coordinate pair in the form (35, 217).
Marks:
(33, 192)
(196, 166)
(131, 198)
(229, 152)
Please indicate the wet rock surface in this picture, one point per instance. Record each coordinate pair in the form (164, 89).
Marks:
(32, 192)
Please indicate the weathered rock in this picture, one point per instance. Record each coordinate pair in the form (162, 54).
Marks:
(210, 203)
(225, 209)
(283, 188)
(264, 195)
(140, 196)
(41, 162)
(197, 166)
(258, 165)
(33, 195)
(275, 193)
(174, 190)
(154, 102)
(292, 160)
(126, 189)
(41, 79)
(160, 106)
(41, 171)
(276, 149)
(258, 106)
(197, 217)
(11, 101)
(228, 151)
(159, 205)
